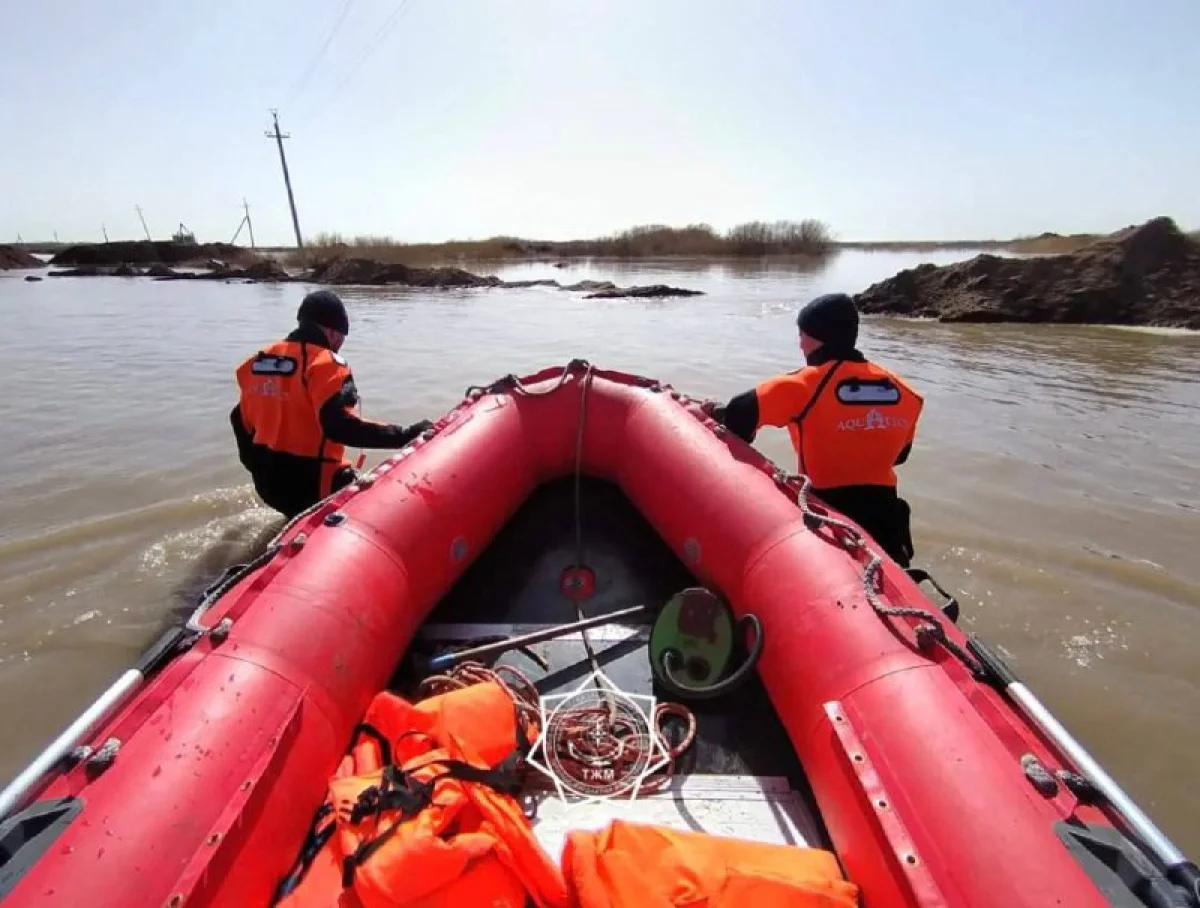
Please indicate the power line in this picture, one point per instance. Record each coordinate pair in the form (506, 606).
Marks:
(287, 180)
(380, 35)
(320, 54)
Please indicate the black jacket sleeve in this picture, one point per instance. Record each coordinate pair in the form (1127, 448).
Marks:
(903, 455)
(245, 444)
(341, 425)
(740, 415)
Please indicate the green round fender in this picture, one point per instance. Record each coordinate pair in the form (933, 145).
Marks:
(700, 628)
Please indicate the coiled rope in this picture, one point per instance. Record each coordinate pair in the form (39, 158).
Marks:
(585, 736)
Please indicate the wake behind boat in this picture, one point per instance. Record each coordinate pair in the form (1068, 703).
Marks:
(761, 677)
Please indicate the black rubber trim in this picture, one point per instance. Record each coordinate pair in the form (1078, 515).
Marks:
(1187, 877)
(997, 669)
(1125, 876)
(28, 834)
(162, 650)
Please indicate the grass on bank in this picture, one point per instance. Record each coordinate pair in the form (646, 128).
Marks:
(809, 238)
(1044, 244)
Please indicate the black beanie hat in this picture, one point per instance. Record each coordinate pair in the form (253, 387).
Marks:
(324, 308)
(831, 319)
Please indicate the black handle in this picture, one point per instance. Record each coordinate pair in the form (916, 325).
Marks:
(950, 606)
(1187, 877)
(996, 668)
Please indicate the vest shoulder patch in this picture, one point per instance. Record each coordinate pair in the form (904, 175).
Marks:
(273, 364)
(868, 391)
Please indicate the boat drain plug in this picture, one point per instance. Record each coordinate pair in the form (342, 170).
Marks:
(578, 582)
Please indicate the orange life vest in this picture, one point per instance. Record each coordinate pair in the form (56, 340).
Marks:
(283, 388)
(425, 816)
(632, 865)
(848, 420)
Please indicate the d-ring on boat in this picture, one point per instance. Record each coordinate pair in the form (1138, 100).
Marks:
(390, 705)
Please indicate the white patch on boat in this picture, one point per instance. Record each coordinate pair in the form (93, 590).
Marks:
(755, 808)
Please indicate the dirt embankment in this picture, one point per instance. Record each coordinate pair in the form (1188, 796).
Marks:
(265, 271)
(12, 257)
(145, 252)
(334, 272)
(1143, 275)
(344, 271)
(350, 271)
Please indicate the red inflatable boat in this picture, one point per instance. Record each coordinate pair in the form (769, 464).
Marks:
(861, 720)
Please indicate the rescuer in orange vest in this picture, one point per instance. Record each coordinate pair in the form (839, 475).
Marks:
(295, 416)
(850, 421)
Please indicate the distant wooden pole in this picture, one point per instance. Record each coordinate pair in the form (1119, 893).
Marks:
(104, 230)
(250, 224)
(287, 180)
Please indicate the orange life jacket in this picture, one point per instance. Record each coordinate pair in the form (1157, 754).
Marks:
(848, 420)
(283, 388)
(425, 817)
(631, 865)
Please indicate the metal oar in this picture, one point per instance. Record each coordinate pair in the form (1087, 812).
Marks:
(449, 660)
(1179, 870)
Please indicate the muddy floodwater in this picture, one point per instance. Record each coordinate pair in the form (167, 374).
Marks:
(1054, 482)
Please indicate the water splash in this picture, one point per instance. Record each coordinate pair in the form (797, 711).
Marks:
(1091, 646)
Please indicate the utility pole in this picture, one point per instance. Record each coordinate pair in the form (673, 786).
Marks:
(249, 223)
(138, 209)
(245, 222)
(56, 237)
(104, 230)
(287, 180)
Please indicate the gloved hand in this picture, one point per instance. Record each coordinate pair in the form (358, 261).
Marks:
(713, 409)
(418, 427)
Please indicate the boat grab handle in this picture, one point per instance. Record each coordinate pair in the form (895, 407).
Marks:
(950, 606)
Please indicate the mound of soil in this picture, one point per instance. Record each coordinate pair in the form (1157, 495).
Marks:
(647, 292)
(145, 252)
(364, 271)
(264, 271)
(349, 271)
(591, 286)
(1147, 274)
(12, 257)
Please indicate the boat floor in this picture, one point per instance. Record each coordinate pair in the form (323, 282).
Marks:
(740, 777)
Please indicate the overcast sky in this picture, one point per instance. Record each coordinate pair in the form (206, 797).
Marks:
(439, 119)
